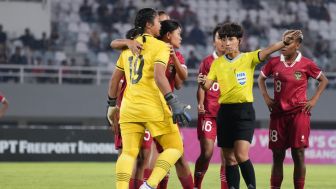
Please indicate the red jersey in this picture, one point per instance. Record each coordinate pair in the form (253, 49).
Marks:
(211, 104)
(290, 81)
(2, 99)
(171, 71)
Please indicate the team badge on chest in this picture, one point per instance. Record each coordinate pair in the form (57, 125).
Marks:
(297, 75)
(241, 77)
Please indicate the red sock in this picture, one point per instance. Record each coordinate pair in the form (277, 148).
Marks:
(135, 183)
(164, 182)
(199, 175)
(276, 182)
(299, 183)
(147, 173)
(223, 178)
(187, 182)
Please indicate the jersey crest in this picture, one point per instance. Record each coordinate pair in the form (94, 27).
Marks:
(297, 75)
(241, 77)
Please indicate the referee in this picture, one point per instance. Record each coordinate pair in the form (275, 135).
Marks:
(236, 117)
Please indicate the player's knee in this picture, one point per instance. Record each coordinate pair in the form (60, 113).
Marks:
(133, 152)
(298, 155)
(279, 156)
(208, 154)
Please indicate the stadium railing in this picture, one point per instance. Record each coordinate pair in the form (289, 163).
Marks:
(96, 75)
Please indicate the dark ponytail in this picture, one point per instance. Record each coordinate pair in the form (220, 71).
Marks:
(143, 16)
(168, 26)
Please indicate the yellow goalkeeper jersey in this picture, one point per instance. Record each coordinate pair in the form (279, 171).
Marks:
(235, 77)
(142, 100)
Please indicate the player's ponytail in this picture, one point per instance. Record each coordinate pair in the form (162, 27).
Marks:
(141, 19)
(168, 26)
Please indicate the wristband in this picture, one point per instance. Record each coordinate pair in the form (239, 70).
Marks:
(112, 101)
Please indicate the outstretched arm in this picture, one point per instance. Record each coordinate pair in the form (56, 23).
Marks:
(264, 53)
(122, 44)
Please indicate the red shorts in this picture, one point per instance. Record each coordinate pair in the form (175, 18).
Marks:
(147, 143)
(290, 130)
(207, 127)
(148, 139)
(117, 138)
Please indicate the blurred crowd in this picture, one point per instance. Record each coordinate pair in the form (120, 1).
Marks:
(81, 31)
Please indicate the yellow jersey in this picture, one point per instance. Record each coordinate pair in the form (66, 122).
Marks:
(142, 100)
(235, 77)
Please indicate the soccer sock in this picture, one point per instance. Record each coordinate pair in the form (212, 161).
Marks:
(135, 183)
(187, 182)
(200, 171)
(124, 168)
(163, 163)
(232, 176)
(164, 182)
(223, 178)
(147, 173)
(276, 182)
(247, 171)
(299, 183)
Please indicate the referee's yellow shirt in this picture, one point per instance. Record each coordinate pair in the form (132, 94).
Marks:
(235, 77)
(142, 100)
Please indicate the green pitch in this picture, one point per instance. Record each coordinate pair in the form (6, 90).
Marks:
(102, 176)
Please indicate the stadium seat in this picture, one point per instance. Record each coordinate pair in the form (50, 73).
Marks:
(81, 47)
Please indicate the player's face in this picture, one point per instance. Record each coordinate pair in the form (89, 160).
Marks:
(155, 26)
(219, 45)
(163, 17)
(175, 38)
(231, 44)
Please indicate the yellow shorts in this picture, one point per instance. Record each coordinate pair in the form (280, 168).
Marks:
(156, 128)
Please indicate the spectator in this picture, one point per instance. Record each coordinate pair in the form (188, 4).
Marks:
(189, 17)
(3, 36)
(85, 12)
(197, 36)
(43, 43)
(27, 39)
(174, 13)
(17, 58)
(192, 61)
(94, 42)
(3, 54)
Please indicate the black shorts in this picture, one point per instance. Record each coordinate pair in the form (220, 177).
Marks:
(235, 122)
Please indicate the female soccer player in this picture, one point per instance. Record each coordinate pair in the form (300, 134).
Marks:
(236, 117)
(290, 109)
(207, 111)
(4, 106)
(145, 102)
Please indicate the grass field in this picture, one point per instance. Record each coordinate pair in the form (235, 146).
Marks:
(102, 176)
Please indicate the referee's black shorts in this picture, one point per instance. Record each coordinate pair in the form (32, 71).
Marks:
(235, 122)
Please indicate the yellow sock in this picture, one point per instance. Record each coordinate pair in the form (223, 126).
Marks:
(165, 160)
(124, 168)
(126, 161)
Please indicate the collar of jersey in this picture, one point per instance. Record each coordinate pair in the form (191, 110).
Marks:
(231, 61)
(297, 59)
(146, 34)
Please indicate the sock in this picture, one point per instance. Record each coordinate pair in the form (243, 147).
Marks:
(147, 173)
(299, 183)
(124, 168)
(276, 182)
(247, 171)
(223, 178)
(199, 174)
(135, 183)
(163, 163)
(232, 176)
(164, 182)
(187, 182)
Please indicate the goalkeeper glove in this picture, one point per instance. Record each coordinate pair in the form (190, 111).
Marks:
(112, 109)
(180, 116)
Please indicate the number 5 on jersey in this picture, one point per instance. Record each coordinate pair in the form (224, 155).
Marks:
(136, 68)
